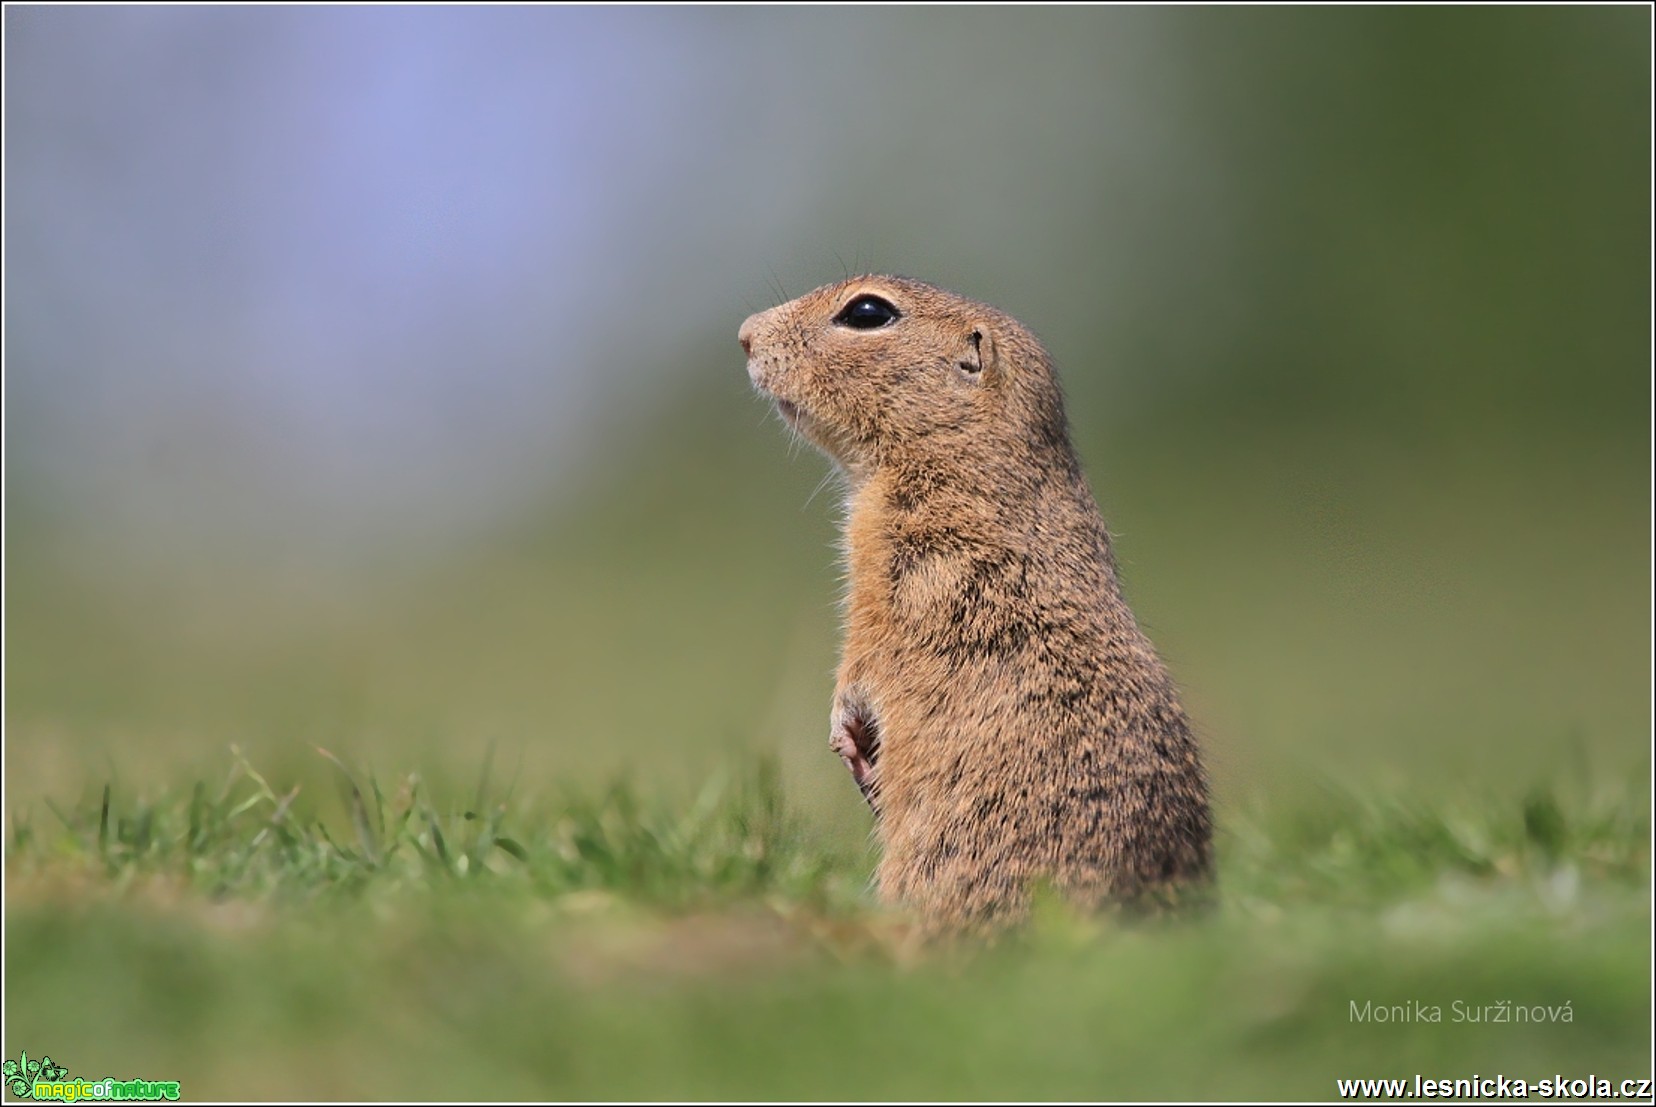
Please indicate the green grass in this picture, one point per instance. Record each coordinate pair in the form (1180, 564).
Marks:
(254, 941)
(244, 838)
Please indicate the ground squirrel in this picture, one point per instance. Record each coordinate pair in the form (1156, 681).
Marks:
(996, 702)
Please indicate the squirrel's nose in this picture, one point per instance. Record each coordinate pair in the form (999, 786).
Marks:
(745, 335)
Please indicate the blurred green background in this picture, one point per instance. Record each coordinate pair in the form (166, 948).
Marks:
(406, 456)
(372, 383)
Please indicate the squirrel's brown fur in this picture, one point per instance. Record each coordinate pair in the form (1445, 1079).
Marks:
(1006, 718)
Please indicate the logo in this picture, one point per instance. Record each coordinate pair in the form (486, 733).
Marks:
(22, 1073)
(46, 1079)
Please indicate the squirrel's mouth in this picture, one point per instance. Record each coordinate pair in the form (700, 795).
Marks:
(789, 411)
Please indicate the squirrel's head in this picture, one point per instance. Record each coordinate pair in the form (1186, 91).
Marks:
(878, 368)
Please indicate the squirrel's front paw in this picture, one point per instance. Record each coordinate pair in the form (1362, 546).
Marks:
(855, 736)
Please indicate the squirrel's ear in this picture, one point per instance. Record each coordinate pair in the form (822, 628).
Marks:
(978, 360)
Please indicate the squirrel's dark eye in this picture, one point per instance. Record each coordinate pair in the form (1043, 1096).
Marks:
(867, 312)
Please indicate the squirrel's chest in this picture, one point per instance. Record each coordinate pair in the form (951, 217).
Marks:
(903, 607)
